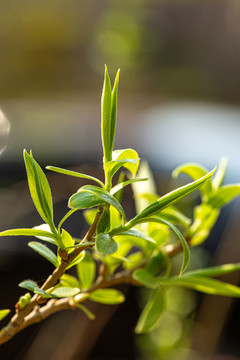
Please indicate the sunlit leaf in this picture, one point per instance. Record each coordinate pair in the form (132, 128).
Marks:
(75, 174)
(39, 188)
(107, 296)
(45, 227)
(137, 233)
(65, 292)
(128, 158)
(44, 251)
(121, 185)
(146, 278)
(42, 293)
(224, 195)
(4, 313)
(170, 198)
(86, 270)
(152, 312)
(220, 173)
(113, 112)
(106, 107)
(76, 260)
(194, 171)
(214, 270)
(69, 281)
(89, 314)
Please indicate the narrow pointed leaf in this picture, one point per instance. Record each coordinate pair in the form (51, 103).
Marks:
(146, 278)
(44, 251)
(114, 111)
(105, 244)
(220, 173)
(174, 216)
(171, 198)
(127, 158)
(89, 314)
(75, 174)
(45, 227)
(121, 185)
(152, 312)
(214, 270)
(137, 233)
(76, 260)
(39, 188)
(107, 296)
(42, 293)
(224, 195)
(206, 285)
(4, 313)
(106, 107)
(28, 232)
(86, 270)
(195, 171)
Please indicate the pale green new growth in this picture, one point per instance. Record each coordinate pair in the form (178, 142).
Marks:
(114, 250)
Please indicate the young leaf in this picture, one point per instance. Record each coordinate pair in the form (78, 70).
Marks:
(44, 251)
(45, 227)
(28, 232)
(214, 270)
(105, 245)
(152, 312)
(106, 106)
(83, 200)
(206, 285)
(147, 279)
(121, 185)
(86, 270)
(137, 233)
(220, 173)
(224, 195)
(28, 284)
(174, 216)
(114, 111)
(127, 158)
(107, 296)
(195, 171)
(169, 199)
(186, 251)
(65, 292)
(67, 240)
(4, 313)
(69, 281)
(89, 314)
(43, 293)
(100, 196)
(76, 260)
(74, 173)
(39, 188)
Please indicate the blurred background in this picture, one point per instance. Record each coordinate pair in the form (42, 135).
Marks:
(179, 102)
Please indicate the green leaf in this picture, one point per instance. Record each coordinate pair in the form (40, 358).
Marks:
(106, 106)
(44, 251)
(42, 293)
(89, 314)
(45, 227)
(75, 174)
(105, 245)
(121, 185)
(114, 111)
(224, 195)
(194, 171)
(28, 284)
(169, 199)
(174, 216)
(76, 260)
(186, 251)
(86, 270)
(137, 233)
(104, 221)
(156, 263)
(147, 279)
(220, 173)
(90, 215)
(67, 240)
(107, 296)
(28, 232)
(4, 313)
(206, 285)
(98, 196)
(128, 158)
(65, 291)
(214, 270)
(152, 312)
(69, 281)
(39, 188)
